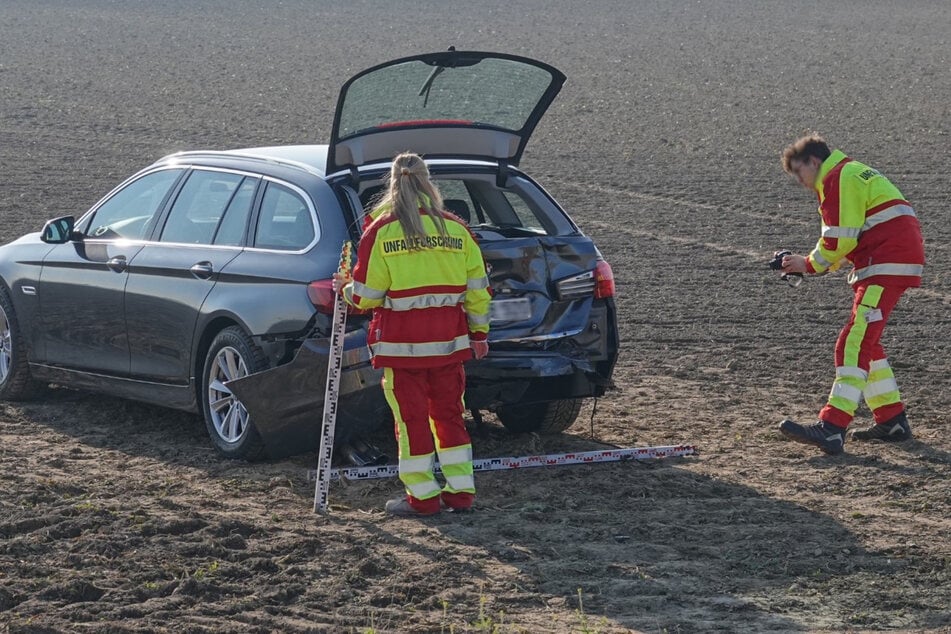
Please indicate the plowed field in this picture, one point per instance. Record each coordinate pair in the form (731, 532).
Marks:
(664, 146)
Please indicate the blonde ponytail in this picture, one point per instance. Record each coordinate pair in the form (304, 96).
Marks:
(410, 189)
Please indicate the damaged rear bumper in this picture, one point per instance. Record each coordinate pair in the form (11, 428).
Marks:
(286, 402)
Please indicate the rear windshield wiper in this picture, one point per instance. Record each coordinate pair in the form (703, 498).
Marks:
(428, 84)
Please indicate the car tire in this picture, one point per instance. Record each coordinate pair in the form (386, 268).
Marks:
(16, 383)
(231, 355)
(551, 417)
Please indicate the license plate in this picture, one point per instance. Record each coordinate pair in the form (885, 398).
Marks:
(518, 309)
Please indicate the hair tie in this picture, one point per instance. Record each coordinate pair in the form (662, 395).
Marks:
(404, 172)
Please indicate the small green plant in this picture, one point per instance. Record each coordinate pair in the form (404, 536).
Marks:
(586, 626)
(485, 622)
(202, 573)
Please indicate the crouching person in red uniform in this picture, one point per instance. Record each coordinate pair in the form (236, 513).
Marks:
(865, 221)
(421, 271)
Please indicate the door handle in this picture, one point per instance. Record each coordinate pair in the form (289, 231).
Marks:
(202, 270)
(118, 264)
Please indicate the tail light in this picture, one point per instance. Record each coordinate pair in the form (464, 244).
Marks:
(577, 286)
(604, 277)
(322, 296)
(599, 282)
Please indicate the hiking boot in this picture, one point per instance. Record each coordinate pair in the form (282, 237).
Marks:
(825, 436)
(402, 508)
(895, 429)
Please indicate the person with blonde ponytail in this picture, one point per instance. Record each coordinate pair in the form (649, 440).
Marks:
(420, 270)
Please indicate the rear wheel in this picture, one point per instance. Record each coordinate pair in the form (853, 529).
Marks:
(232, 355)
(551, 417)
(16, 384)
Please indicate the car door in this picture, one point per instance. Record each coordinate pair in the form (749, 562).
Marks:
(459, 104)
(81, 319)
(170, 277)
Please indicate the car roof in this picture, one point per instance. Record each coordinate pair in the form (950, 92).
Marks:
(309, 158)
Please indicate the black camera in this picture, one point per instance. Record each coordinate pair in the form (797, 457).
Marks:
(776, 264)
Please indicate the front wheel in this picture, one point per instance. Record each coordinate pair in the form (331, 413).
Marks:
(16, 384)
(232, 355)
(551, 417)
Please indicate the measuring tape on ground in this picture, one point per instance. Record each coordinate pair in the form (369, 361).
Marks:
(325, 455)
(525, 462)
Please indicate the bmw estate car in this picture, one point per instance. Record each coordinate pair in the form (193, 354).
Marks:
(203, 282)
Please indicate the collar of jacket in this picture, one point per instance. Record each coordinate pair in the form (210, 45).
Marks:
(833, 159)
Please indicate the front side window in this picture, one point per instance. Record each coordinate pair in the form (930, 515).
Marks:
(285, 221)
(199, 207)
(130, 211)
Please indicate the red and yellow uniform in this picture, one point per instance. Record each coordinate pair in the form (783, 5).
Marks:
(865, 221)
(429, 299)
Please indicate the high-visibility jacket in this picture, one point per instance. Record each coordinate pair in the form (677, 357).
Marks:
(867, 221)
(430, 301)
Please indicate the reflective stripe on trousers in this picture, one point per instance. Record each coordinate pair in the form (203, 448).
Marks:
(861, 365)
(427, 406)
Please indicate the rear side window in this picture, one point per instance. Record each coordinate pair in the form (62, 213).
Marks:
(232, 227)
(130, 211)
(519, 210)
(285, 221)
(199, 207)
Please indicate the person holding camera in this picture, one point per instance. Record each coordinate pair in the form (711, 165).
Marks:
(867, 222)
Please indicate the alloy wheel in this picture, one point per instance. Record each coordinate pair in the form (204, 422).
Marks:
(228, 415)
(6, 346)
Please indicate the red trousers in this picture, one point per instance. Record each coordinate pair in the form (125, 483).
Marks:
(861, 367)
(427, 406)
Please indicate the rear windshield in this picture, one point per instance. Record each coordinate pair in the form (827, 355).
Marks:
(496, 92)
(518, 210)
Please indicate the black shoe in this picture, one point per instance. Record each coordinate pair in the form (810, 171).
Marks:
(825, 436)
(895, 429)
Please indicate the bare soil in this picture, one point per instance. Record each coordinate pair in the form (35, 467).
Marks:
(664, 144)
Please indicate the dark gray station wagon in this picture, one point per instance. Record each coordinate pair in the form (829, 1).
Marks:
(203, 282)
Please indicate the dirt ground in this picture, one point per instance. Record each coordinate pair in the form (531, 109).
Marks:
(664, 145)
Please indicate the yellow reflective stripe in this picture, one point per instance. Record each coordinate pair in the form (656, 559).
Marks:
(428, 349)
(417, 463)
(475, 283)
(853, 341)
(847, 371)
(402, 435)
(887, 214)
(429, 300)
(872, 296)
(456, 455)
(840, 232)
(366, 292)
(478, 320)
(857, 275)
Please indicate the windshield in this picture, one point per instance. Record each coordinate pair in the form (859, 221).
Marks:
(496, 92)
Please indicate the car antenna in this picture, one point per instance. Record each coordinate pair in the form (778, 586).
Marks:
(428, 84)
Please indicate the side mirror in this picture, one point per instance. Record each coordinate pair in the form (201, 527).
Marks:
(59, 231)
